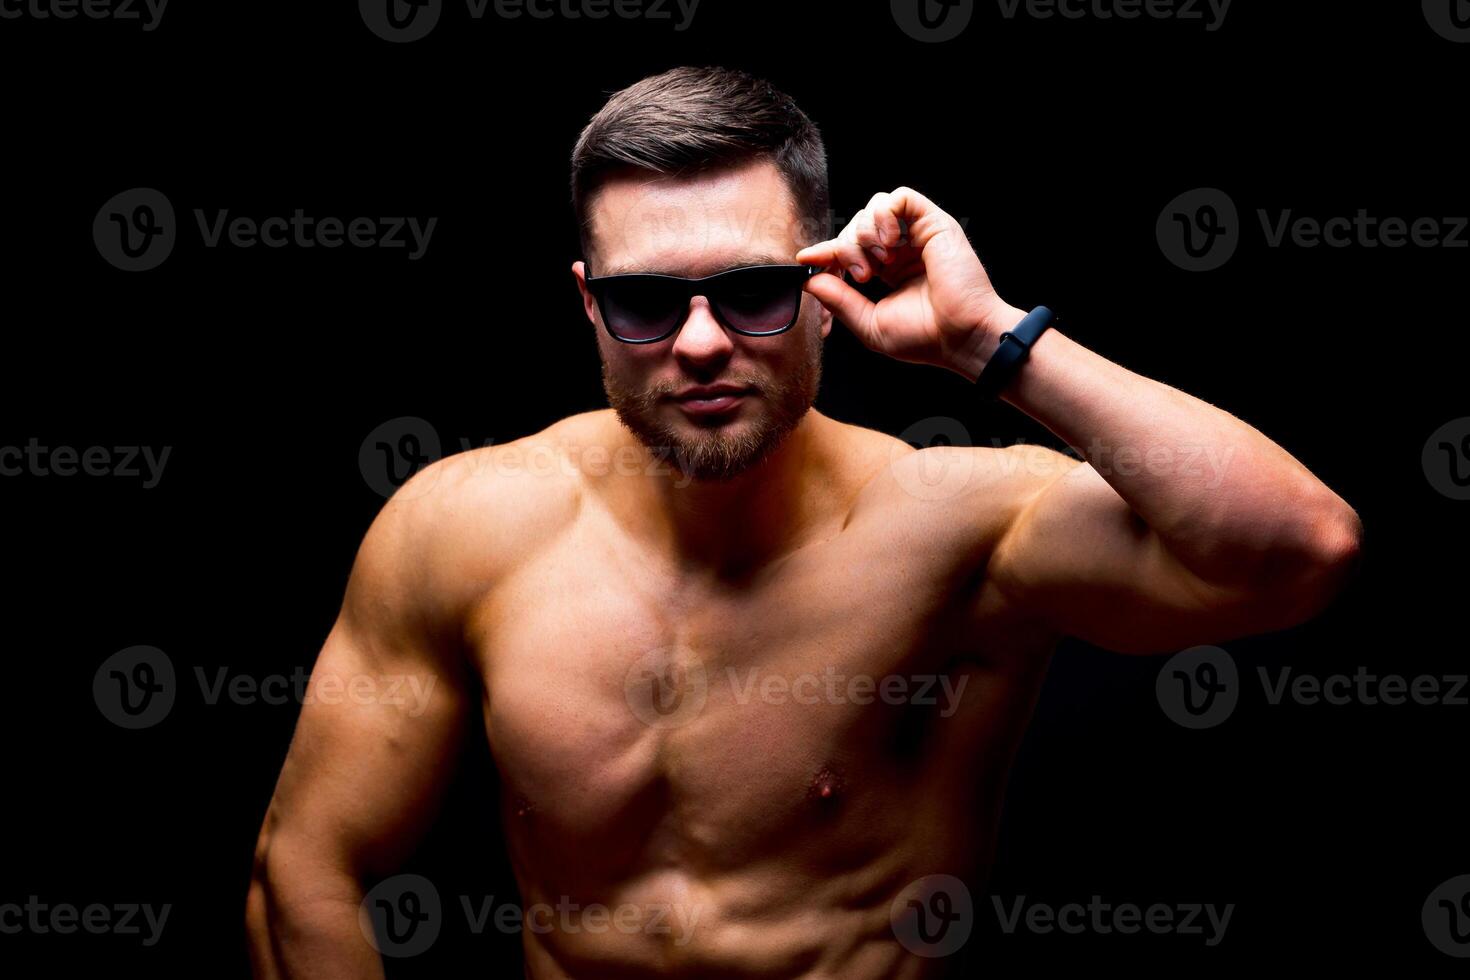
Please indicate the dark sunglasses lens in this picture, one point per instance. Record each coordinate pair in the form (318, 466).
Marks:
(642, 309)
(759, 300)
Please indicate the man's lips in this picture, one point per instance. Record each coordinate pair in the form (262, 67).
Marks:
(707, 402)
(706, 392)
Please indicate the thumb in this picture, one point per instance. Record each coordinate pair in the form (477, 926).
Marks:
(851, 307)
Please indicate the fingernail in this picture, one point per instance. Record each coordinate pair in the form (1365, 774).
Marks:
(881, 252)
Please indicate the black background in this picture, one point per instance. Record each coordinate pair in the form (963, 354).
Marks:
(1059, 141)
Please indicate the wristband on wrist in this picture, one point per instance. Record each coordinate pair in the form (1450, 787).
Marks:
(1015, 345)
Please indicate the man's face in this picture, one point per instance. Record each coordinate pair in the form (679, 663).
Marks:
(697, 226)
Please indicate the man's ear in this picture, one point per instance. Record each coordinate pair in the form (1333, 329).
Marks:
(825, 318)
(589, 303)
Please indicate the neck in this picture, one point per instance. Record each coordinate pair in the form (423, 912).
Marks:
(729, 528)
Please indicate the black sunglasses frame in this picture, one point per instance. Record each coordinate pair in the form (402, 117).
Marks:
(596, 285)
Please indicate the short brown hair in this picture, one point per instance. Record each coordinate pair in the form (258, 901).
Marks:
(687, 120)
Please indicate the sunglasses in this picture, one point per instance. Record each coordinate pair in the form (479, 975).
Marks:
(754, 300)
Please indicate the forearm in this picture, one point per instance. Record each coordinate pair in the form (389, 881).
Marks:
(1230, 504)
(308, 929)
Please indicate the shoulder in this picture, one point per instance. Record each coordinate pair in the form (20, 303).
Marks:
(945, 475)
(465, 521)
(964, 496)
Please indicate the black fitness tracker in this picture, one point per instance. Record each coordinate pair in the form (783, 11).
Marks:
(1015, 345)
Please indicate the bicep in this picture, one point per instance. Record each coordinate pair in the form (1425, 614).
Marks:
(382, 719)
(371, 755)
(1077, 556)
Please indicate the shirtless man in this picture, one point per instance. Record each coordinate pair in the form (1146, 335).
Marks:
(698, 631)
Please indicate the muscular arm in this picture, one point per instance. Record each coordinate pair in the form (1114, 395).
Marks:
(363, 775)
(1141, 549)
(1184, 525)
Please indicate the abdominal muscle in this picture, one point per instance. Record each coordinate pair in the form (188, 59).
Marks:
(758, 841)
(773, 917)
(668, 922)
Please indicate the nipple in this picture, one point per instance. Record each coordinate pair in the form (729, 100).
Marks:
(826, 785)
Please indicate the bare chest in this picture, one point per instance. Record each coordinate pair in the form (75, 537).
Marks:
(636, 724)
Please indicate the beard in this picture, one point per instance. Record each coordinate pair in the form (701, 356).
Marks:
(721, 449)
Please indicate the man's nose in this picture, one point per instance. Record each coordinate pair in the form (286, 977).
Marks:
(701, 337)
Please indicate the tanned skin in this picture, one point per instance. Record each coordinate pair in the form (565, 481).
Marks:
(649, 650)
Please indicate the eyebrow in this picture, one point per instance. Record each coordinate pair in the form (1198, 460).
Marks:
(761, 259)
